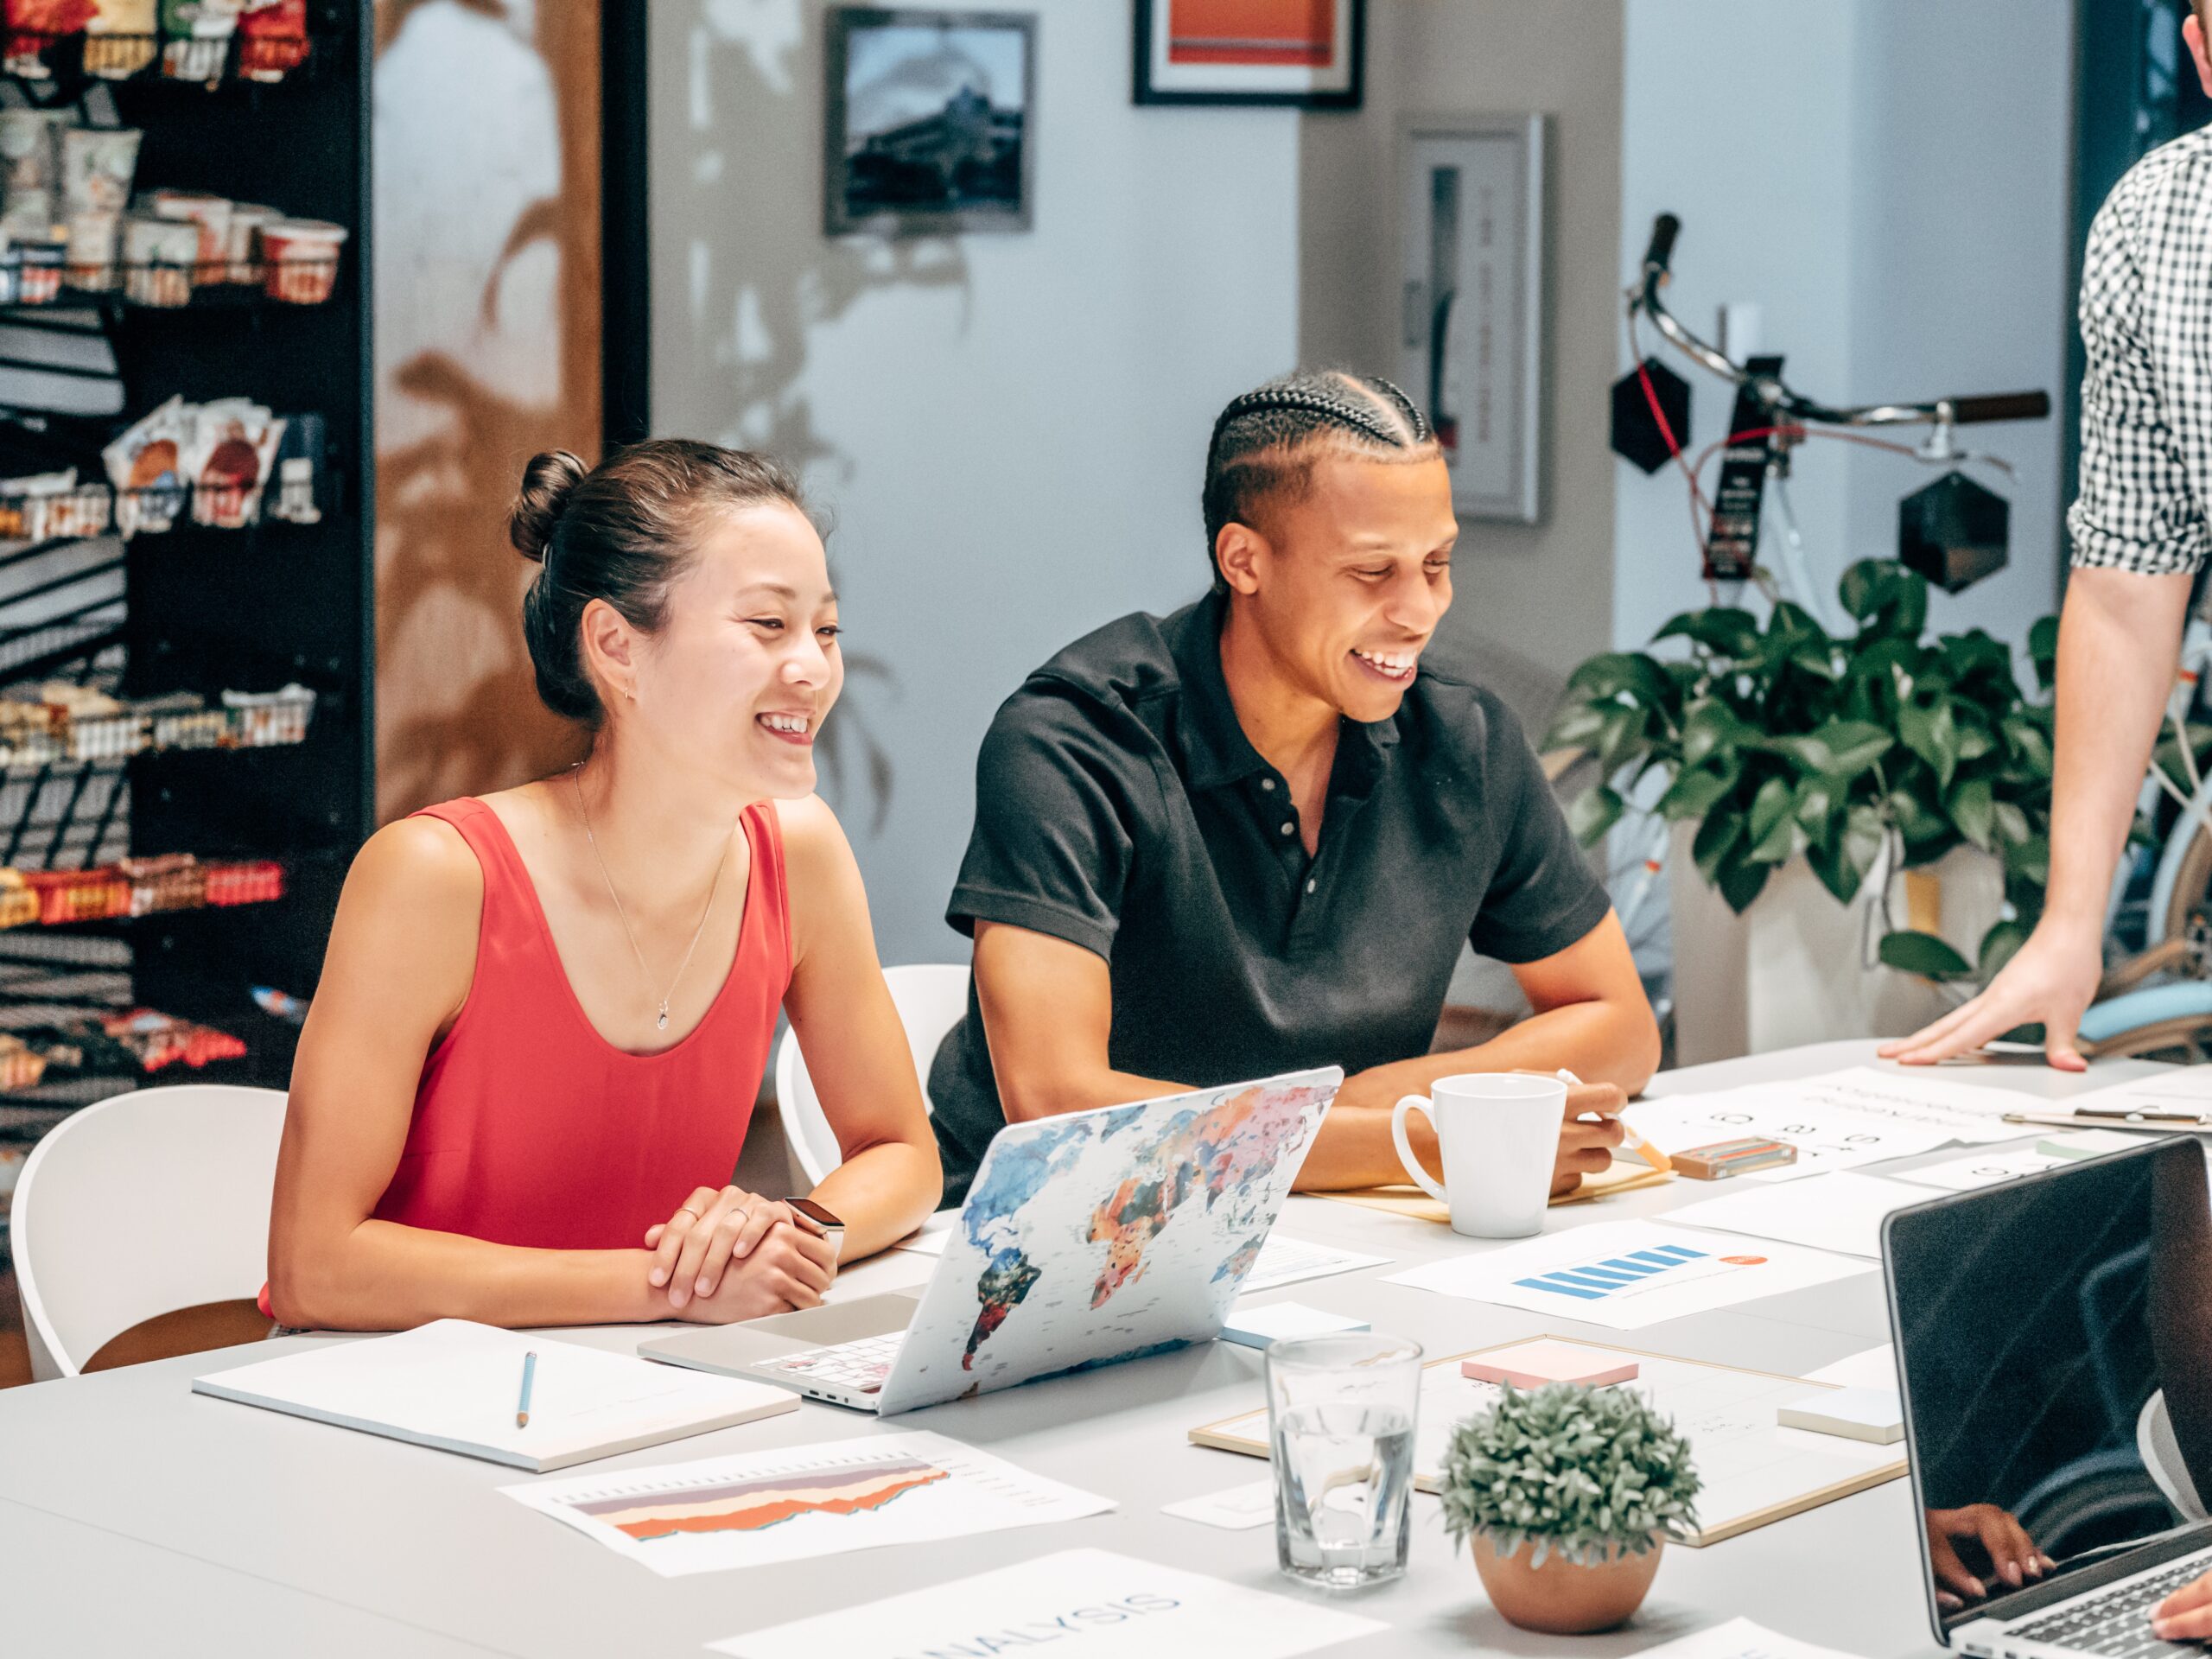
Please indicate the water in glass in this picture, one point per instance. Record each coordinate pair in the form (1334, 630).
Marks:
(1341, 1420)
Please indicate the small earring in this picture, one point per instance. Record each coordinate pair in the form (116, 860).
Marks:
(629, 694)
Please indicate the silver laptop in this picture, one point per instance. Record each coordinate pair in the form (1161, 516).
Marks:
(1086, 1240)
(2054, 1342)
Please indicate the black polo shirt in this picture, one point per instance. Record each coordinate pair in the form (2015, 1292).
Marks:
(1120, 806)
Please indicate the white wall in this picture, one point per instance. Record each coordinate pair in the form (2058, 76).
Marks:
(1010, 430)
(1888, 180)
(1536, 599)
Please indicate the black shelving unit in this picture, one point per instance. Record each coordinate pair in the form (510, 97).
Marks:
(201, 607)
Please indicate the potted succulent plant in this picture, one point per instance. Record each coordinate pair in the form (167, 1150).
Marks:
(1568, 1494)
(1860, 753)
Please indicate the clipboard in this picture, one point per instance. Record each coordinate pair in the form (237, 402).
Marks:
(1759, 1471)
(1625, 1176)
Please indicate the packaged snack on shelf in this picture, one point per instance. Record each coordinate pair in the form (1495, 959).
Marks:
(198, 35)
(107, 737)
(159, 256)
(41, 22)
(257, 883)
(172, 882)
(195, 727)
(146, 466)
(27, 197)
(299, 259)
(265, 718)
(160, 1039)
(38, 269)
(242, 247)
(20, 1065)
(128, 47)
(299, 462)
(273, 39)
(79, 895)
(94, 241)
(96, 167)
(211, 214)
(18, 904)
(46, 505)
(281, 1005)
(228, 457)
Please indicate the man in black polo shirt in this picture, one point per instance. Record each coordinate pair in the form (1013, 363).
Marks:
(1252, 836)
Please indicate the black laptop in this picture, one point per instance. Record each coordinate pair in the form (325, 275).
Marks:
(2054, 1342)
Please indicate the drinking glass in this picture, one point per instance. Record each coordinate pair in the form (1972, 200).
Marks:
(1340, 1430)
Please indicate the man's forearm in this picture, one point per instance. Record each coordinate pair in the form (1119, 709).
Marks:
(2119, 637)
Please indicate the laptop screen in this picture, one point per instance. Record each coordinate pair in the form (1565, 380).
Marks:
(2036, 1321)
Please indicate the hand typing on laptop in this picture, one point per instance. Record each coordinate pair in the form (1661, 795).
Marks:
(733, 1255)
(2186, 1615)
(2012, 1556)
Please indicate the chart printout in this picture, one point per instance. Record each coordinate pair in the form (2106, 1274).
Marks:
(762, 1508)
(1627, 1274)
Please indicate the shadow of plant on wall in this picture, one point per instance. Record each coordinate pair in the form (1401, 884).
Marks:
(458, 713)
(758, 275)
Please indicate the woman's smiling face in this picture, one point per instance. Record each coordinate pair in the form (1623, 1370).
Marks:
(745, 664)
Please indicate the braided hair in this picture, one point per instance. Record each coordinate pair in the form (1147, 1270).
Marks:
(1262, 450)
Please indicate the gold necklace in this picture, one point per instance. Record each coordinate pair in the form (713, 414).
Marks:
(661, 1022)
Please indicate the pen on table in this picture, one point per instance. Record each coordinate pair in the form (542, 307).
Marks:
(528, 1375)
(1635, 1142)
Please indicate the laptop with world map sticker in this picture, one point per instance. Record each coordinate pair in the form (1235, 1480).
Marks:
(1087, 1239)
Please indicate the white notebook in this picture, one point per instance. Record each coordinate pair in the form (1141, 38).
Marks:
(453, 1384)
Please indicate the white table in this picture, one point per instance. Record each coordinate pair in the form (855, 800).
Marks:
(136, 1517)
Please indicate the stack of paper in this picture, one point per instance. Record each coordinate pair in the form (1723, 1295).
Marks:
(454, 1385)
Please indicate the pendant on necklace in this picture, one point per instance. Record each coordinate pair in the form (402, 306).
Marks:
(662, 1021)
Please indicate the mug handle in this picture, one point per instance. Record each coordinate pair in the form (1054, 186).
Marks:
(1414, 1103)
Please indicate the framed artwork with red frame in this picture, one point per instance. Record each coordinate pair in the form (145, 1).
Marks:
(1304, 54)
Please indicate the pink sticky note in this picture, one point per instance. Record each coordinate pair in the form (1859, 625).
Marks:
(1532, 1364)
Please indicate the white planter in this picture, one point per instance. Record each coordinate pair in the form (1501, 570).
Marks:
(1792, 969)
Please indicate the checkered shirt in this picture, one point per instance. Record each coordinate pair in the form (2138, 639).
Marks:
(2146, 401)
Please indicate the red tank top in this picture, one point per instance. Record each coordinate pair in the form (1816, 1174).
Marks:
(531, 1129)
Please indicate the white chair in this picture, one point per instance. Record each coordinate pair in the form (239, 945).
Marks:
(2155, 1443)
(930, 998)
(141, 1205)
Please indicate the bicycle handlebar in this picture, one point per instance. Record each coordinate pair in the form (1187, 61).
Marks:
(1779, 399)
(2001, 406)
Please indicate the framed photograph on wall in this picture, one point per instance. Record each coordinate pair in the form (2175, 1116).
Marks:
(1470, 219)
(930, 121)
(1308, 53)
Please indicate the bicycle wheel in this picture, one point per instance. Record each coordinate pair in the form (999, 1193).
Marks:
(2184, 891)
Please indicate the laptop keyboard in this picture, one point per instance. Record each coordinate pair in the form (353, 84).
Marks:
(860, 1365)
(2115, 1623)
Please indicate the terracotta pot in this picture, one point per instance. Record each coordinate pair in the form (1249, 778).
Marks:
(1564, 1598)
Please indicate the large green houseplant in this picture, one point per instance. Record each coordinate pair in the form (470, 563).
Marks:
(1779, 739)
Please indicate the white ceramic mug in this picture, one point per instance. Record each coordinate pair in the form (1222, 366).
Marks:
(1498, 1132)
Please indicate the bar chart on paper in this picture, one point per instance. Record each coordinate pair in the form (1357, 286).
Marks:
(1626, 1275)
(1630, 1274)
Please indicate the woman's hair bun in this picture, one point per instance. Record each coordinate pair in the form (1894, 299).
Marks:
(547, 483)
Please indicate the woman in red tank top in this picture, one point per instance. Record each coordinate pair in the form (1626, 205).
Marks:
(544, 1015)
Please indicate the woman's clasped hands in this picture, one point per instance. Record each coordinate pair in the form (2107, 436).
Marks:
(728, 1255)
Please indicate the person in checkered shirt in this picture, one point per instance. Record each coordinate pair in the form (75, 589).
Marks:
(2142, 527)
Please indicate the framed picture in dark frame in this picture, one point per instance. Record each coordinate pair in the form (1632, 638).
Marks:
(929, 121)
(1308, 54)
